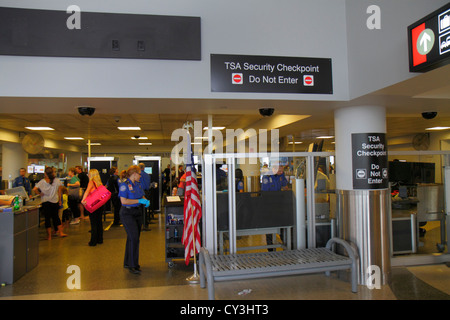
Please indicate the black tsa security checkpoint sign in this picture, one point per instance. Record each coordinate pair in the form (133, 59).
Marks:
(370, 162)
(236, 73)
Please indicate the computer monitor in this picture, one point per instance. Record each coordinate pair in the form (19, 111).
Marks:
(39, 169)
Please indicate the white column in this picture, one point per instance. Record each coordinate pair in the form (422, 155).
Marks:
(13, 158)
(361, 119)
(363, 212)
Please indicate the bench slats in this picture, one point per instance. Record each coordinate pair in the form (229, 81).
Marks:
(280, 260)
(277, 263)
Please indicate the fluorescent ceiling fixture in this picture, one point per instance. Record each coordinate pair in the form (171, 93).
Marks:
(201, 138)
(94, 144)
(196, 143)
(101, 158)
(296, 142)
(325, 137)
(73, 138)
(139, 138)
(214, 128)
(39, 128)
(438, 128)
(129, 128)
(145, 143)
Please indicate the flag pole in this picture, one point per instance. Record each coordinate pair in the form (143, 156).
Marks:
(195, 277)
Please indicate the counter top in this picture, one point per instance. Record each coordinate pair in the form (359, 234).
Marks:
(30, 206)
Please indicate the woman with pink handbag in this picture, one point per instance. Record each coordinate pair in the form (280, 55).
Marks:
(96, 216)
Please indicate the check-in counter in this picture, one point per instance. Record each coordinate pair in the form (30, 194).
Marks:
(19, 243)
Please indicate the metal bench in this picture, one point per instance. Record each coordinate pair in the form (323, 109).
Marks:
(277, 263)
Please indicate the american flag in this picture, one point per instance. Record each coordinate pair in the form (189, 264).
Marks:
(192, 209)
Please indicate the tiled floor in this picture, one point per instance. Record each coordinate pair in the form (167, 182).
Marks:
(104, 278)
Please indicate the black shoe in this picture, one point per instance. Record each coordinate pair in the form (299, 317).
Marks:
(134, 270)
(128, 267)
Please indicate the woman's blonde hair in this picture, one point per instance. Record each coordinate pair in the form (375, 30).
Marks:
(133, 169)
(95, 176)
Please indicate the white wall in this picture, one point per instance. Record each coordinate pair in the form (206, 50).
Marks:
(302, 28)
(363, 60)
(379, 58)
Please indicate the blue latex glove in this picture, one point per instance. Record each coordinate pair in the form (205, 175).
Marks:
(144, 202)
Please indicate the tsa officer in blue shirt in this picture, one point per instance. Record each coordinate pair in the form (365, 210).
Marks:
(275, 182)
(132, 196)
(145, 183)
(145, 178)
(22, 181)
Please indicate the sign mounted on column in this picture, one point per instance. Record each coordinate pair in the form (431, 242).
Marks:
(236, 73)
(370, 162)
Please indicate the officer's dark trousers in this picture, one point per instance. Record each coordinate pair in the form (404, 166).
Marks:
(131, 218)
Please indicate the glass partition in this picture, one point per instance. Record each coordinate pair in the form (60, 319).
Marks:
(419, 194)
(263, 203)
(247, 209)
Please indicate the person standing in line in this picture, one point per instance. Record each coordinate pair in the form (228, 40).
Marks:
(131, 196)
(96, 216)
(84, 181)
(49, 189)
(73, 186)
(113, 187)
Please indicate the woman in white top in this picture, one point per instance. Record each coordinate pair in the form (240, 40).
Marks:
(49, 189)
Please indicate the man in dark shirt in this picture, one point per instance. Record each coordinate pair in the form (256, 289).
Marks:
(22, 181)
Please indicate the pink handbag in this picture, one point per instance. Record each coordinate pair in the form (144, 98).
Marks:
(97, 198)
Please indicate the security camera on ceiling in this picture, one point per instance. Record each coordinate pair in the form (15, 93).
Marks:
(266, 112)
(429, 115)
(86, 111)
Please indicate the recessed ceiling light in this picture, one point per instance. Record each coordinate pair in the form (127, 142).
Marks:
(296, 142)
(139, 138)
(145, 143)
(73, 138)
(325, 137)
(129, 128)
(94, 144)
(39, 128)
(438, 128)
